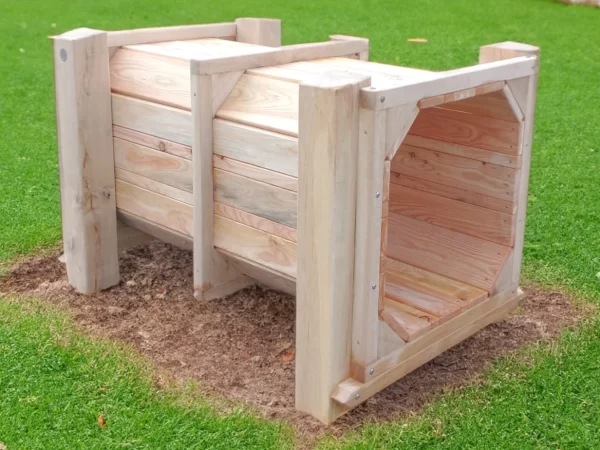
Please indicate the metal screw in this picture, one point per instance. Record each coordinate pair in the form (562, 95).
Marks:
(377, 195)
(372, 371)
(373, 286)
(382, 98)
(357, 396)
(63, 54)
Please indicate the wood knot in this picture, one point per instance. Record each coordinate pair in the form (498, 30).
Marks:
(162, 147)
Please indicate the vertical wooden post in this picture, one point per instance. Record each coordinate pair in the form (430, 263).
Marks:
(328, 144)
(525, 93)
(265, 32)
(86, 160)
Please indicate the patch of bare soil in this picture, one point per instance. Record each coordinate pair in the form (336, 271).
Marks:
(242, 347)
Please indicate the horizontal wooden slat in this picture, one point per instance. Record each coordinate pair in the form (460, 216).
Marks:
(455, 193)
(256, 173)
(499, 159)
(452, 214)
(422, 302)
(468, 129)
(261, 148)
(154, 207)
(260, 199)
(255, 245)
(455, 171)
(467, 259)
(258, 222)
(407, 322)
(146, 35)
(151, 118)
(154, 164)
(148, 140)
(155, 230)
(154, 186)
(264, 103)
(494, 105)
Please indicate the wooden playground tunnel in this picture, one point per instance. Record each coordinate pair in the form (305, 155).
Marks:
(390, 200)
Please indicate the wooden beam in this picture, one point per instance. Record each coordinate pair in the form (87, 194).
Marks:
(441, 83)
(399, 121)
(364, 55)
(162, 34)
(265, 32)
(327, 197)
(87, 178)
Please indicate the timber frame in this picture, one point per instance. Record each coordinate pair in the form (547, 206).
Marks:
(349, 342)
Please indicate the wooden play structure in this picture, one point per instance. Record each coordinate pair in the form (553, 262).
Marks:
(390, 200)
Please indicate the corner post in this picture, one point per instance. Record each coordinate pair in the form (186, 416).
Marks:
(328, 146)
(525, 92)
(86, 160)
(265, 32)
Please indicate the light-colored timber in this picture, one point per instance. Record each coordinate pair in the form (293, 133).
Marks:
(390, 200)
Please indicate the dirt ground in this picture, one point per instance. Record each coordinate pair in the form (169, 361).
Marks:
(242, 347)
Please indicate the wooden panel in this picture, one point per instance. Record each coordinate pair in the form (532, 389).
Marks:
(265, 103)
(256, 173)
(154, 207)
(455, 171)
(146, 35)
(151, 118)
(255, 245)
(499, 159)
(261, 148)
(154, 186)
(156, 165)
(155, 230)
(454, 255)
(494, 105)
(87, 179)
(461, 95)
(261, 199)
(404, 320)
(259, 31)
(427, 303)
(258, 222)
(452, 214)
(147, 140)
(454, 193)
(468, 129)
(432, 284)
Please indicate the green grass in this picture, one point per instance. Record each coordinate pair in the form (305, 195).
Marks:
(55, 383)
(552, 399)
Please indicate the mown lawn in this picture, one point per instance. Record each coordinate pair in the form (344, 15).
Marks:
(549, 402)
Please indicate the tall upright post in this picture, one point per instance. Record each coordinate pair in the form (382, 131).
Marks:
(86, 160)
(265, 32)
(328, 146)
(524, 91)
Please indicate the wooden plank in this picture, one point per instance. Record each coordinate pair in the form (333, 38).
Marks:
(154, 186)
(87, 180)
(437, 307)
(362, 56)
(151, 118)
(258, 147)
(369, 215)
(259, 31)
(350, 392)
(442, 83)
(154, 207)
(155, 230)
(407, 322)
(454, 193)
(455, 171)
(433, 284)
(156, 165)
(494, 105)
(467, 259)
(185, 32)
(499, 159)
(468, 129)
(464, 95)
(399, 122)
(254, 221)
(329, 122)
(154, 142)
(264, 103)
(260, 199)
(256, 173)
(452, 214)
(255, 245)
(506, 50)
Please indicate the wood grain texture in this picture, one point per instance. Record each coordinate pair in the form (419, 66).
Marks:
(468, 129)
(452, 214)
(406, 325)
(399, 121)
(148, 35)
(257, 222)
(458, 172)
(256, 173)
(154, 186)
(259, 31)
(87, 179)
(156, 165)
(467, 259)
(494, 105)
(255, 197)
(154, 142)
(429, 304)
(155, 230)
